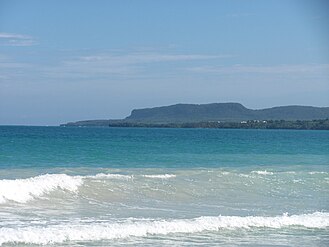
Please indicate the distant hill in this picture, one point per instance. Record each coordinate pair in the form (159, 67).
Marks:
(294, 113)
(93, 123)
(226, 112)
(229, 112)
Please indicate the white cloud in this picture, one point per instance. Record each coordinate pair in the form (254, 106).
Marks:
(13, 39)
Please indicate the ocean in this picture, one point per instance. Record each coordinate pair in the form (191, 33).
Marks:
(163, 187)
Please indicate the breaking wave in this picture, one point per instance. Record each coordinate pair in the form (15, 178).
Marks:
(27, 189)
(23, 190)
(143, 227)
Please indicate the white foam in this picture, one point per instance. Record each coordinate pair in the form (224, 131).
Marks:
(112, 176)
(23, 190)
(162, 176)
(144, 227)
(263, 172)
(312, 173)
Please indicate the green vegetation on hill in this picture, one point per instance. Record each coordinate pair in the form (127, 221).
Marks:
(229, 112)
(192, 113)
(220, 115)
(250, 124)
(93, 123)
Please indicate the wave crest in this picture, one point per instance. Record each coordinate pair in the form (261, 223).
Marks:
(145, 227)
(23, 190)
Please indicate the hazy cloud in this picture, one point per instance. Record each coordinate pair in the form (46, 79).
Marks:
(258, 69)
(148, 58)
(13, 39)
(123, 65)
(107, 65)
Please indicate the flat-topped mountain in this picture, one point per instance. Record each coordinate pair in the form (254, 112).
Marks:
(226, 112)
(230, 112)
(192, 113)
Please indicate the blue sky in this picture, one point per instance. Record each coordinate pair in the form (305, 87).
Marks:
(73, 60)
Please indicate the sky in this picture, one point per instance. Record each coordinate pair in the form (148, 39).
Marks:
(64, 61)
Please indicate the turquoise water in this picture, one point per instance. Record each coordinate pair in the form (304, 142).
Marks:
(163, 187)
(132, 147)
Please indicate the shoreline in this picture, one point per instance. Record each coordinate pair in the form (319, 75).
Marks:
(321, 124)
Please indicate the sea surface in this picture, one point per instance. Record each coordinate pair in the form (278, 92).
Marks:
(163, 187)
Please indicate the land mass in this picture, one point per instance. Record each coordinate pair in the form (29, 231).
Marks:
(220, 115)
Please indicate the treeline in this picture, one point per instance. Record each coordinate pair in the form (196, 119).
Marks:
(322, 124)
